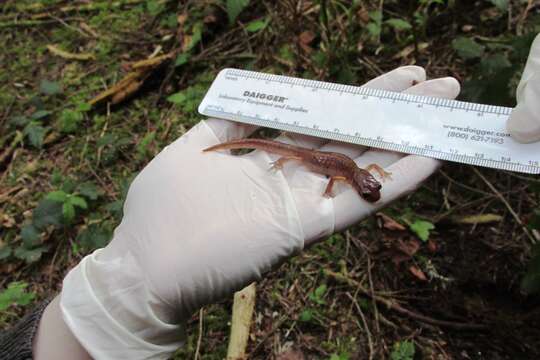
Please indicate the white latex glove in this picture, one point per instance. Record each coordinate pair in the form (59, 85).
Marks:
(199, 226)
(524, 122)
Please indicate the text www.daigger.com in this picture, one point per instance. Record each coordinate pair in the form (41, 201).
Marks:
(473, 134)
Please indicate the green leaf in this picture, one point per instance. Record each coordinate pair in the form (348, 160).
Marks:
(374, 26)
(83, 107)
(29, 255)
(35, 133)
(15, 294)
(177, 98)
(5, 252)
(19, 121)
(494, 64)
(40, 114)
(257, 25)
(234, 8)
(317, 295)
(89, 190)
(154, 7)
(421, 228)
(142, 146)
(182, 59)
(196, 36)
(68, 210)
(30, 236)
(467, 48)
(78, 202)
(403, 350)
(69, 120)
(399, 24)
(58, 195)
(48, 212)
(94, 237)
(306, 315)
(49, 87)
(500, 4)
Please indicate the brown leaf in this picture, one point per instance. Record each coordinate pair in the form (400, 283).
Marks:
(409, 247)
(432, 246)
(305, 39)
(209, 19)
(419, 274)
(399, 258)
(291, 355)
(389, 223)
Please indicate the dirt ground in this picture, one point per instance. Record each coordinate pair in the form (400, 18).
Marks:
(384, 289)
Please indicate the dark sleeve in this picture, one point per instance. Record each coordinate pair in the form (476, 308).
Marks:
(16, 343)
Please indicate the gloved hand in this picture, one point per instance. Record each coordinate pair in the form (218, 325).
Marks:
(524, 121)
(199, 226)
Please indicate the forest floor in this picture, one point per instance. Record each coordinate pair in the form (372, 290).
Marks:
(453, 255)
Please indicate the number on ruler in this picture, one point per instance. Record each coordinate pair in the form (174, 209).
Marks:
(479, 155)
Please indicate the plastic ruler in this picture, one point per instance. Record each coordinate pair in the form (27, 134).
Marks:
(450, 130)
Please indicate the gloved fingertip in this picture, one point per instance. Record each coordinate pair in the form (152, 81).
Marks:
(521, 127)
(447, 88)
(399, 79)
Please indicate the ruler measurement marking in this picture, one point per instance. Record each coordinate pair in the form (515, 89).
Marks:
(454, 126)
(373, 92)
(463, 158)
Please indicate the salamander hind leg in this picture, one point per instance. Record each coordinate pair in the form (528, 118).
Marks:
(333, 179)
(278, 164)
(384, 174)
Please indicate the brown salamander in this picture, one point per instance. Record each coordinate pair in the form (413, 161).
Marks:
(337, 166)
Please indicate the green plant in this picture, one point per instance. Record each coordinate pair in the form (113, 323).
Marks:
(69, 203)
(15, 294)
(403, 350)
(317, 296)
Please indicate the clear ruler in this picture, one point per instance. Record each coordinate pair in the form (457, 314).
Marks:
(444, 129)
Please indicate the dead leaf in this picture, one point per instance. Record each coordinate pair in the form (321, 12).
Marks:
(389, 223)
(408, 50)
(305, 39)
(399, 258)
(409, 247)
(291, 355)
(70, 56)
(432, 246)
(209, 19)
(419, 274)
(133, 81)
(181, 19)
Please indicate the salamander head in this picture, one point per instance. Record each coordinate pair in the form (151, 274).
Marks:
(367, 186)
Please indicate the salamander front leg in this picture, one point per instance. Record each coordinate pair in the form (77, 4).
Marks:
(278, 164)
(328, 191)
(384, 174)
